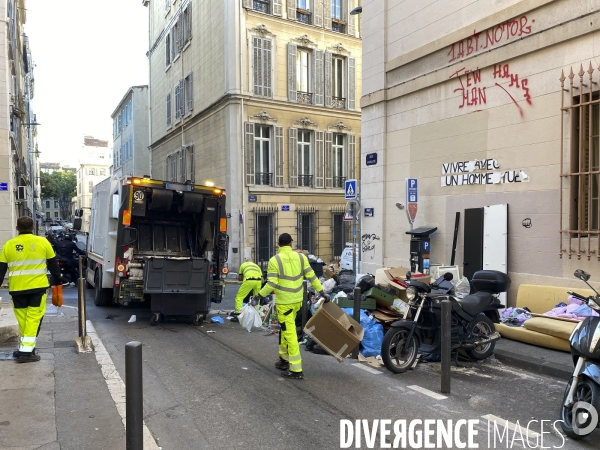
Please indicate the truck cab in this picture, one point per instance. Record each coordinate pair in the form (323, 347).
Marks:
(160, 242)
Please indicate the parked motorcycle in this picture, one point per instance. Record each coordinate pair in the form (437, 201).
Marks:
(581, 403)
(473, 319)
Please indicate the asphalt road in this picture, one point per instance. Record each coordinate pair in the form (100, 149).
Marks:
(221, 390)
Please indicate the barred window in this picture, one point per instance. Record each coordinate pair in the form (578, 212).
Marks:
(580, 165)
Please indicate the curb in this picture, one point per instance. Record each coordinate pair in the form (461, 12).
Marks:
(534, 365)
(9, 327)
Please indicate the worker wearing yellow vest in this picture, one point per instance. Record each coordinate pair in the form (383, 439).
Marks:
(27, 259)
(251, 275)
(285, 274)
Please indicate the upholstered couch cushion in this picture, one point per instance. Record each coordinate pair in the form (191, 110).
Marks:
(553, 327)
(522, 334)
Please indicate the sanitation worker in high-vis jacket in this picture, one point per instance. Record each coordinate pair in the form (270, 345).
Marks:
(285, 275)
(27, 259)
(251, 275)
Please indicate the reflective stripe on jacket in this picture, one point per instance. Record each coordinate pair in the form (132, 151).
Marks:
(285, 275)
(26, 257)
(250, 270)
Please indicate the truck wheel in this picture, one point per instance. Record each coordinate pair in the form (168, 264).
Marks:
(156, 317)
(101, 296)
(198, 319)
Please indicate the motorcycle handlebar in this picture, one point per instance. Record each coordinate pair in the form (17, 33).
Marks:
(578, 296)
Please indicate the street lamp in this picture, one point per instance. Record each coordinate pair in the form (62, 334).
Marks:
(355, 11)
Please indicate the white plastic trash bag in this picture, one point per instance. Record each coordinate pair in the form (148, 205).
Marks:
(328, 285)
(399, 306)
(249, 317)
(462, 287)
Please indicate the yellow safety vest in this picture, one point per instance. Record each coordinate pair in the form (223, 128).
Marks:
(286, 272)
(26, 257)
(250, 270)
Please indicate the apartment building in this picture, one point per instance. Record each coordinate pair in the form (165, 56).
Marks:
(131, 155)
(19, 189)
(486, 104)
(261, 98)
(94, 166)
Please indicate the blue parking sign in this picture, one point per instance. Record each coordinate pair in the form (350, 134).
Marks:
(350, 189)
(412, 190)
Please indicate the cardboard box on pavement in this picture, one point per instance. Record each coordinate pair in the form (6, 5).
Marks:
(334, 330)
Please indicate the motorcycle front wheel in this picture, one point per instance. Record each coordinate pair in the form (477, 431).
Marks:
(576, 425)
(397, 352)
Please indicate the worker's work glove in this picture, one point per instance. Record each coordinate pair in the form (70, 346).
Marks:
(326, 297)
(57, 295)
(255, 300)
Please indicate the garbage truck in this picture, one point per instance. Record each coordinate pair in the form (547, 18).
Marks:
(159, 242)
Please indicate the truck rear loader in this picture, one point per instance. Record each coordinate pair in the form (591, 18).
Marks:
(160, 242)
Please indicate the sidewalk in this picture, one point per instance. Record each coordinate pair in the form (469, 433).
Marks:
(60, 402)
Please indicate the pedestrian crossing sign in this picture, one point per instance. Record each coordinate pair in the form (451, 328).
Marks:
(350, 189)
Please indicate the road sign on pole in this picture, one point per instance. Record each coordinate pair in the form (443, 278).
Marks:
(412, 198)
(350, 189)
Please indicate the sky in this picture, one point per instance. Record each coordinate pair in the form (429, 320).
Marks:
(86, 54)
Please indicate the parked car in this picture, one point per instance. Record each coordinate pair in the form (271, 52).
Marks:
(346, 257)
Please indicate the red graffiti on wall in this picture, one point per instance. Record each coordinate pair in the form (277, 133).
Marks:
(491, 37)
(473, 91)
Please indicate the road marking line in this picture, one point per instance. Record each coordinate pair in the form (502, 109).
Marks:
(511, 426)
(114, 382)
(367, 368)
(427, 392)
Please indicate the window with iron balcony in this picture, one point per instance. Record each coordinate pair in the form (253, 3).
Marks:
(263, 6)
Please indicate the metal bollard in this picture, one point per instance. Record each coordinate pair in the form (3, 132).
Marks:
(83, 343)
(134, 397)
(446, 347)
(356, 316)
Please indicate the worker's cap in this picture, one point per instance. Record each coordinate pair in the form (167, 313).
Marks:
(285, 239)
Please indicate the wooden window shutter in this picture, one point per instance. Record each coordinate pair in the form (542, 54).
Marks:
(292, 93)
(249, 152)
(276, 7)
(182, 97)
(248, 4)
(189, 21)
(167, 50)
(319, 12)
(168, 109)
(328, 160)
(327, 15)
(351, 83)
(328, 81)
(319, 82)
(177, 100)
(258, 65)
(351, 20)
(267, 69)
(279, 150)
(320, 159)
(293, 161)
(191, 92)
(291, 9)
(351, 158)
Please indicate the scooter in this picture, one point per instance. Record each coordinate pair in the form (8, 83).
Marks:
(473, 319)
(581, 404)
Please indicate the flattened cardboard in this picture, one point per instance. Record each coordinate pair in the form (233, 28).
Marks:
(334, 330)
(385, 317)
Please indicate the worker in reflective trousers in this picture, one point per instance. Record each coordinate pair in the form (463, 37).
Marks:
(285, 275)
(251, 275)
(27, 259)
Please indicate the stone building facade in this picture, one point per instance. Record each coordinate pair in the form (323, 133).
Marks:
(486, 103)
(261, 98)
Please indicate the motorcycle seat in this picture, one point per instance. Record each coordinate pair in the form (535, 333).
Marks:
(476, 303)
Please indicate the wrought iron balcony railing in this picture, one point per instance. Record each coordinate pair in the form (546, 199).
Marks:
(304, 16)
(305, 180)
(304, 97)
(338, 26)
(262, 6)
(339, 182)
(263, 179)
